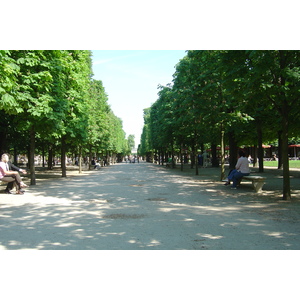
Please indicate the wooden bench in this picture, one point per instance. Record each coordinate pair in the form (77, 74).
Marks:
(257, 182)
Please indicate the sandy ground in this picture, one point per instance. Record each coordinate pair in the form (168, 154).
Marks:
(146, 206)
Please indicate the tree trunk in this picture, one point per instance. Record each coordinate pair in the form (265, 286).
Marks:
(279, 150)
(260, 148)
(233, 151)
(196, 159)
(50, 157)
(173, 158)
(63, 157)
(193, 157)
(222, 154)
(43, 155)
(255, 156)
(181, 158)
(31, 156)
(285, 157)
(214, 159)
(90, 157)
(80, 160)
(284, 110)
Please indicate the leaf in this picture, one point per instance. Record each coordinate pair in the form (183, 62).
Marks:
(7, 100)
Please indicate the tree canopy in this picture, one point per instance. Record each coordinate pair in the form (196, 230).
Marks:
(236, 98)
(49, 99)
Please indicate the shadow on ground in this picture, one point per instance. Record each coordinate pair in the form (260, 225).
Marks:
(145, 206)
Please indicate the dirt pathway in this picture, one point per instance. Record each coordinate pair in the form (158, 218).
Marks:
(145, 206)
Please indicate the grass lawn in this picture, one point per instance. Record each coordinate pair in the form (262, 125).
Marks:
(293, 164)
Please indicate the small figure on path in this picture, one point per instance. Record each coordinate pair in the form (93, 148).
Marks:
(205, 159)
(95, 163)
(200, 160)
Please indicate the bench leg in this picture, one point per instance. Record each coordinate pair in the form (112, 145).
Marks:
(258, 186)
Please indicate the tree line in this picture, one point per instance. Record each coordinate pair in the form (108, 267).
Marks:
(50, 104)
(236, 98)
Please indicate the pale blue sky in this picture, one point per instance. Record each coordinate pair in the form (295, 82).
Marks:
(130, 78)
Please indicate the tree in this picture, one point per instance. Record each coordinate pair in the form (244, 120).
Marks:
(276, 74)
(218, 95)
(145, 148)
(130, 141)
(50, 96)
(98, 110)
(32, 97)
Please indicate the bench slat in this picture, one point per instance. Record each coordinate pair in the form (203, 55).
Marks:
(258, 178)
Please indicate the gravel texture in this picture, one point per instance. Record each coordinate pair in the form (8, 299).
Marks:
(148, 207)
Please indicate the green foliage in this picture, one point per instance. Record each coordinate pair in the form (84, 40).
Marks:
(146, 145)
(235, 90)
(53, 91)
(116, 137)
(130, 141)
(250, 97)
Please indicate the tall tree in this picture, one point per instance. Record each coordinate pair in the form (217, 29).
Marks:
(131, 142)
(277, 74)
(32, 98)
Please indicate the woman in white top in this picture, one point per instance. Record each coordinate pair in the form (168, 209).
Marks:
(241, 169)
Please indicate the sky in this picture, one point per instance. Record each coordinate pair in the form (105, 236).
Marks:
(131, 78)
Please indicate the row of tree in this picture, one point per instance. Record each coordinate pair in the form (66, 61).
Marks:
(235, 98)
(50, 103)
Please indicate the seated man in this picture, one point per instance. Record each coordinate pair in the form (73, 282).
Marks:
(11, 177)
(241, 169)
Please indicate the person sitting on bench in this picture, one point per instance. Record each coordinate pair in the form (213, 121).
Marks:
(241, 169)
(11, 177)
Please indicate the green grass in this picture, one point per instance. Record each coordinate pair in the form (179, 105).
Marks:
(292, 164)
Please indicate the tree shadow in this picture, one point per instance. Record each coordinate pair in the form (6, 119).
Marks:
(143, 206)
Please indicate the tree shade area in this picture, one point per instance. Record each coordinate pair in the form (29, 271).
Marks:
(51, 104)
(234, 99)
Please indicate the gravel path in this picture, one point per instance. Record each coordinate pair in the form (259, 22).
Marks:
(146, 206)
